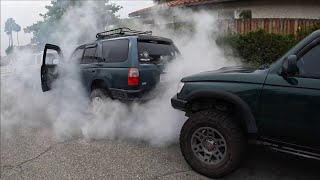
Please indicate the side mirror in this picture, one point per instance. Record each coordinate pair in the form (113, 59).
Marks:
(289, 66)
(55, 61)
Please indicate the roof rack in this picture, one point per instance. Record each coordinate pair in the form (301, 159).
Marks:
(121, 32)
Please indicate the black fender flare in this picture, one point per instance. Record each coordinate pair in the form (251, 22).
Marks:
(241, 106)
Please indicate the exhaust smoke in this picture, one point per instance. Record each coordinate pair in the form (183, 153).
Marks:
(66, 111)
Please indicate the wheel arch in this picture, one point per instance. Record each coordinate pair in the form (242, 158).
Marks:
(100, 83)
(247, 118)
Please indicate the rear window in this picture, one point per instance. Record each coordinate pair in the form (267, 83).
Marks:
(115, 50)
(156, 51)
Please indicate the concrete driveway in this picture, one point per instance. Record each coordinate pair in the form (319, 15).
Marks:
(34, 154)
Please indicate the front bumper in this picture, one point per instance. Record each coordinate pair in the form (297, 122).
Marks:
(178, 103)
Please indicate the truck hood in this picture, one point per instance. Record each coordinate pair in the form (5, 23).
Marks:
(231, 74)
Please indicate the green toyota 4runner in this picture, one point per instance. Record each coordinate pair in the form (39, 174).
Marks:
(276, 106)
(121, 64)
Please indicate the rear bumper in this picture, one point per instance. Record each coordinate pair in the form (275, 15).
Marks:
(130, 95)
(178, 103)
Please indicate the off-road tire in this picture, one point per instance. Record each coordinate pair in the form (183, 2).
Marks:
(102, 93)
(97, 98)
(226, 126)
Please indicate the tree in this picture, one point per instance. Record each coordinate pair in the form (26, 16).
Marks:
(9, 50)
(9, 35)
(43, 31)
(17, 29)
(246, 14)
(8, 28)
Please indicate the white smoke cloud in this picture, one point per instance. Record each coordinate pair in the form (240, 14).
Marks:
(66, 110)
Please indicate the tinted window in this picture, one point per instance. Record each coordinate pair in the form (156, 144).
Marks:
(77, 55)
(89, 55)
(309, 64)
(156, 52)
(116, 50)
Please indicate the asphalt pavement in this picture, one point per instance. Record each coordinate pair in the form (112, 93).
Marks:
(35, 154)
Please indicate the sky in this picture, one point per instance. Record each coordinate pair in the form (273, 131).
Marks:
(26, 13)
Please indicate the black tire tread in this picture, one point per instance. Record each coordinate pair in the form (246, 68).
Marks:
(225, 122)
(100, 93)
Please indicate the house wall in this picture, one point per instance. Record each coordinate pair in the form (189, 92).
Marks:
(305, 9)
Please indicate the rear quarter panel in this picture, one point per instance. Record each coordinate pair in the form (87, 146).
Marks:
(114, 74)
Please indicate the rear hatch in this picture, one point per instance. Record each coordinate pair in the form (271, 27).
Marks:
(154, 54)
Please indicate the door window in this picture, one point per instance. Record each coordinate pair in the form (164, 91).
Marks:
(115, 50)
(52, 57)
(89, 55)
(309, 63)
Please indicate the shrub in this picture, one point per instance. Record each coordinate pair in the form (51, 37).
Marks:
(257, 48)
(305, 32)
(9, 50)
(247, 14)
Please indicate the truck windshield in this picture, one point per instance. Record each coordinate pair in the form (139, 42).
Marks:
(158, 52)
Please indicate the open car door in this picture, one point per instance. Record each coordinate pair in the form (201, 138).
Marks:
(52, 56)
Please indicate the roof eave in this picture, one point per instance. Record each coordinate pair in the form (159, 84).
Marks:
(149, 9)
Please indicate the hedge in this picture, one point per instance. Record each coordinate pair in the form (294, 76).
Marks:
(259, 47)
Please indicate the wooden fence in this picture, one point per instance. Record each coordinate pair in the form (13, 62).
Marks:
(270, 25)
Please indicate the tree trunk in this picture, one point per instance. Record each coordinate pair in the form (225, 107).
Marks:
(18, 38)
(11, 39)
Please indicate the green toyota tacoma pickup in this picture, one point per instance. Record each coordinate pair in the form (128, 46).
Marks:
(276, 106)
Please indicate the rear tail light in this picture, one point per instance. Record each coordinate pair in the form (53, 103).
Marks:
(133, 77)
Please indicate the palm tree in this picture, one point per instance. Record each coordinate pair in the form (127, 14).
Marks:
(8, 28)
(17, 29)
(8, 33)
